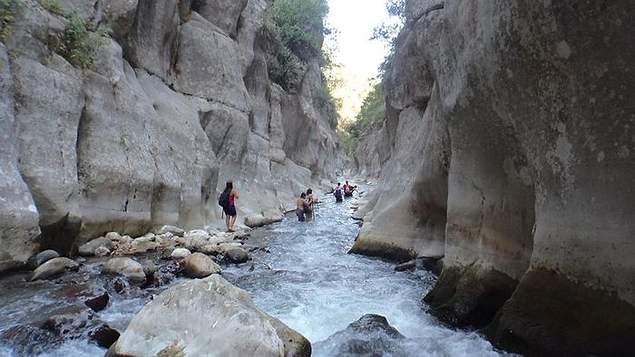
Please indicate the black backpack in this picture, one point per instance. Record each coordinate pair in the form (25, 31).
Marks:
(223, 199)
(338, 194)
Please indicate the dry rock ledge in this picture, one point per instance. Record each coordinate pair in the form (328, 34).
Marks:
(205, 316)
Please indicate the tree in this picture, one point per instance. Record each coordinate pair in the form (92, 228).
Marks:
(388, 30)
(294, 33)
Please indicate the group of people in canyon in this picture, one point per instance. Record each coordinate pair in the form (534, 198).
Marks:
(342, 191)
(304, 203)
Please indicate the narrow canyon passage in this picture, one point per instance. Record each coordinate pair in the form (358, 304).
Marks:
(307, 280)
(302, 275)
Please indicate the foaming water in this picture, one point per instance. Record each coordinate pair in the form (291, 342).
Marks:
(306, 279)
(310, 282)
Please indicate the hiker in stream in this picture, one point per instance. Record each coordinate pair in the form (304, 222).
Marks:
(300, 207)
(310, 200)
(227, 200)
(348, 189)
(338, 193)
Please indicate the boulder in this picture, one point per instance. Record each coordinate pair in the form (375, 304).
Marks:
(89, 248)
(102, 251)
(236, 255)
(128, 268)
(143, 245)
(199, 265)
(41, 258)
(179, 232)
(261, 220)
(180, 253)
(205, 317)
(104, 335)
(53, 267)
(371, 335)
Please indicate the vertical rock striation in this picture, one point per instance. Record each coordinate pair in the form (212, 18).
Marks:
(141, 132)
(522, 167)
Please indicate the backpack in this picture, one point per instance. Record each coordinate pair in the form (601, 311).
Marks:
(223, 199)
(338, 194)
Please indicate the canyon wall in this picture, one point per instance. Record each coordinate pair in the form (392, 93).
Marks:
(509, 150)
(145, 131)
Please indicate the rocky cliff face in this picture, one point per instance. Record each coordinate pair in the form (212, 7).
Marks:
(508, 149)
(176, 101)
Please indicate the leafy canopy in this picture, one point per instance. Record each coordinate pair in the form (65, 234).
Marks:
(371, 114)
(294, 33)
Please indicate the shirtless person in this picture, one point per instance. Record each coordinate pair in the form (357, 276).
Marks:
(300, 206)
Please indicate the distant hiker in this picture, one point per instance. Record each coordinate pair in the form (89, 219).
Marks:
(338, 193)
(300, 207)
(227, 200)
(348, 189)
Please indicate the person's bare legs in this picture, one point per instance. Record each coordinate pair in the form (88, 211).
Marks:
(227, 221)
(232, 220)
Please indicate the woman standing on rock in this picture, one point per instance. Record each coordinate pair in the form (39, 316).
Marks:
(230, 209)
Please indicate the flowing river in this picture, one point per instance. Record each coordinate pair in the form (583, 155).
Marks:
(306, 279)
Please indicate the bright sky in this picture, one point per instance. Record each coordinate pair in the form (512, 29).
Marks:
(360, 57)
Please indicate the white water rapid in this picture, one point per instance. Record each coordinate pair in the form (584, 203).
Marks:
(310, 282)
(305, 278)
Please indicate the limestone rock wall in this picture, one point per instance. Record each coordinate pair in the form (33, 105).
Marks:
(510, 141)
(177, 101)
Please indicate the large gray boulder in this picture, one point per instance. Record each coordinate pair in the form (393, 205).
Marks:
(206, 317)
(53, 268)
(199, 265)
(128, 268)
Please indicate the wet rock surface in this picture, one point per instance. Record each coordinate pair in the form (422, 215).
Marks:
(371, 335)
(69, 298)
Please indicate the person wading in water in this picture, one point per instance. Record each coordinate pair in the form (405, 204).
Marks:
(300, 207)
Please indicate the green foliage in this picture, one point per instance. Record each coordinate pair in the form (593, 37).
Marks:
(80, 41)
(371, 114)
(294, 32)
(388, 30)
(301, 25)
(53, 6)
(284, 67)
(8, 10)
